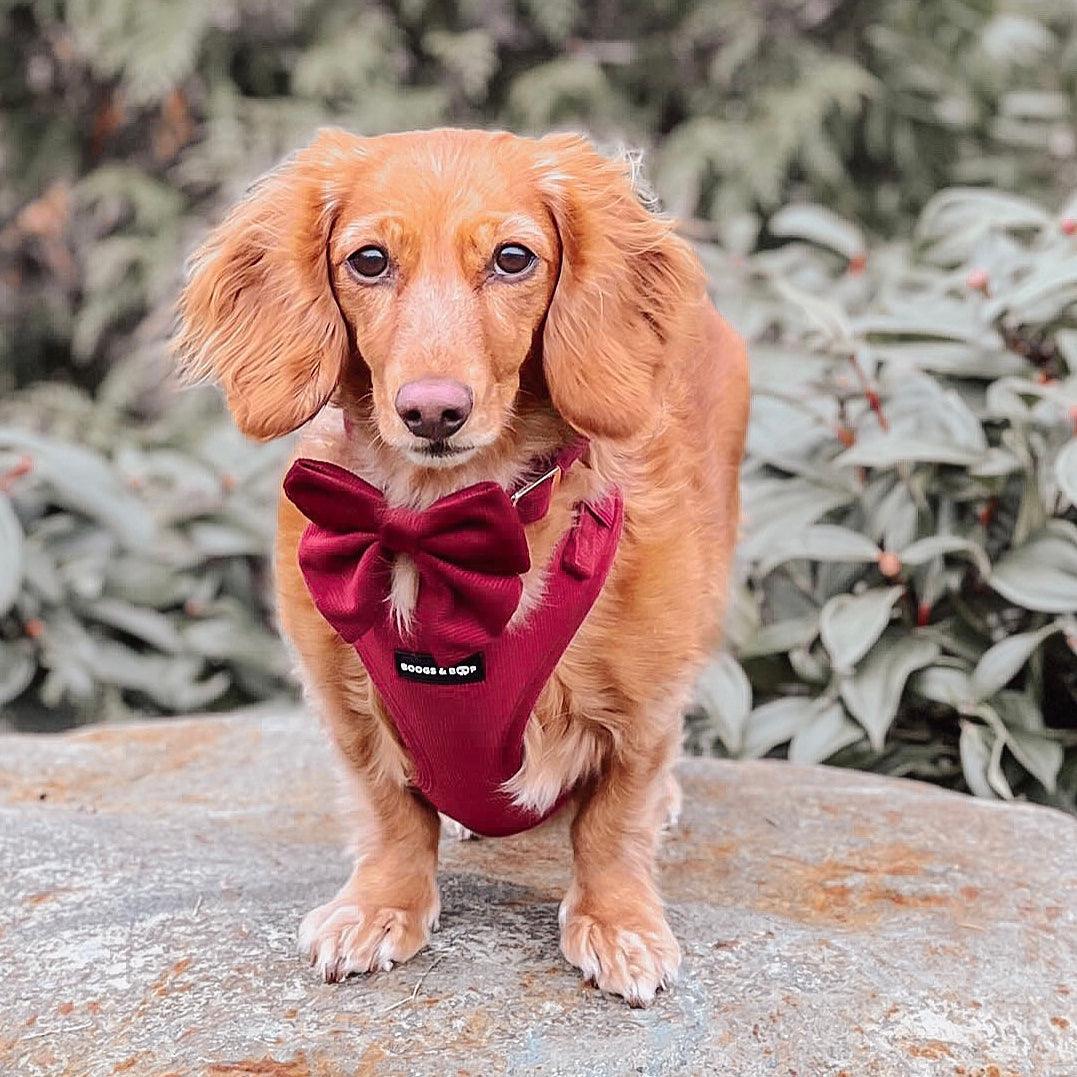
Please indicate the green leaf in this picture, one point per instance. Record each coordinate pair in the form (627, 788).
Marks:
(725, 695)
(958, 359)
(780, 637)
(11, 555)
(926, 549)
(975, 747)
(775, 508)
(824, 735)
(823, 542)
(775, 723)
(216, 538)
(741, 618)
(471, 56)
(17, 668)
(995, 463)
(1042, 574)
(83, 481)
(232, 635)
(995, 776)
(148, 625)
(172, 682)
(1052, 283)
(887, 450)
(810, 664)
(873, 693)
(826, 316)
(1039, 755)
(1002, 662)
(1018, 712)
(818, 225)
(945, 684)
(952, 208)
(850, 624)
(1066, 471)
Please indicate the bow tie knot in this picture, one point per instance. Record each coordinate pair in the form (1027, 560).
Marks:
(469, 548)
(400, 530)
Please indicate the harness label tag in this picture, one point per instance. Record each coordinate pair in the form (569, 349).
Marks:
(413, 666)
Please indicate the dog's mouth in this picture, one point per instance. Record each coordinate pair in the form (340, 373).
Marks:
(440, 450)
(439, 454)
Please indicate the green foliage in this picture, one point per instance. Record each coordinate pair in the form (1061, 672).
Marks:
(134, 560)
(128, 123)
(909, 562)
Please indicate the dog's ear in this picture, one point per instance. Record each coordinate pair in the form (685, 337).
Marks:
(625, 283)
(258, 312)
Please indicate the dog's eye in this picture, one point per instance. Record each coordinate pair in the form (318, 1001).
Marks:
(512, 259)
(369, 262)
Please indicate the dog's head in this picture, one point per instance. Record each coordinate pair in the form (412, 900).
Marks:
(418, 273)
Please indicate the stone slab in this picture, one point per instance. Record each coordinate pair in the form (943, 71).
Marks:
(153, 877)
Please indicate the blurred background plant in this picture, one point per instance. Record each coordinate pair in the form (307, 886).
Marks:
(910, 468)
(908, 600)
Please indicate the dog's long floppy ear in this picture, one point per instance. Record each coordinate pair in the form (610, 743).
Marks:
(626, 281)
(258, 312)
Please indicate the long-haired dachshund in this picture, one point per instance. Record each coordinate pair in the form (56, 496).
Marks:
(504, 542)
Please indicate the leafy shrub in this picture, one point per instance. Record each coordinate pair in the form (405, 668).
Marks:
(909, 595)
(128, 122)
(132, 562)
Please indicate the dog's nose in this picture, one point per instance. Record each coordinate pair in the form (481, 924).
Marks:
(434, 408)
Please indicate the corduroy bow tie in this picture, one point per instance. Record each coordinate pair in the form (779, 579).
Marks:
(469, 550)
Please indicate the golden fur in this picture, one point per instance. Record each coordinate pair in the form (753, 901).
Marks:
(610, 334)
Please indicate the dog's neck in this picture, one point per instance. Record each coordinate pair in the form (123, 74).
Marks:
(350, 438)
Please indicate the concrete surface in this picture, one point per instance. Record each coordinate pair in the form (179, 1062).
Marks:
(153, 877)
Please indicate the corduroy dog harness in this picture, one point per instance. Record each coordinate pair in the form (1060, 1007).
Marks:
(461, 684)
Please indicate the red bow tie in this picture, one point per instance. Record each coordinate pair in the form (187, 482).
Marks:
(469, 549)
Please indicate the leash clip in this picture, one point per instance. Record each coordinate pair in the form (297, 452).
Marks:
(553, 473)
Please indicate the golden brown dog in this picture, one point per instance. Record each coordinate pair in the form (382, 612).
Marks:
(524, 288)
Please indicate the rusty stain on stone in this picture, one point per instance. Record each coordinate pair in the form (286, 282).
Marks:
(128, 1064)
(262, 1067)
(933, 1049)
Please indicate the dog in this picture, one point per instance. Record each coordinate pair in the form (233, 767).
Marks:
(459, 320)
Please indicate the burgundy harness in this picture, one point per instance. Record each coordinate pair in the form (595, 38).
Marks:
(461, 682)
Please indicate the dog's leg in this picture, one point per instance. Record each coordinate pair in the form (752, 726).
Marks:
(385, 911)
(613, 927)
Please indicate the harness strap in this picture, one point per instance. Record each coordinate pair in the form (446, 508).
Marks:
(532, 498)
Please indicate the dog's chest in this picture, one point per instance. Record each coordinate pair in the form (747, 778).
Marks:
(464, 718)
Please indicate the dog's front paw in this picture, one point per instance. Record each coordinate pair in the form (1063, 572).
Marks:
(349, 935)
(627, 950)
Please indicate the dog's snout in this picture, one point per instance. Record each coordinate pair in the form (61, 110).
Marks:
(434, 408)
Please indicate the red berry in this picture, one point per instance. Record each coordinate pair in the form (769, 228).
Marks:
(889, 564)
(977, 280)
(923, 614)
(34, 628)
(857, 264)
(846, 436)
(23, 466)
(1069, 226)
